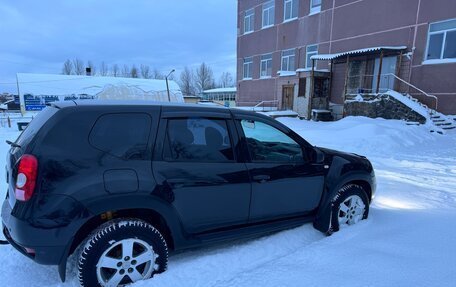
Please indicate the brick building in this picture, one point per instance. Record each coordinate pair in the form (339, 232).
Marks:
(356, 46)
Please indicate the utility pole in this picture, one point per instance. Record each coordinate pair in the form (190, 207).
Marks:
(167, 85)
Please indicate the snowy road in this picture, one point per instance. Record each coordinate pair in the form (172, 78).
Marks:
(408, 240)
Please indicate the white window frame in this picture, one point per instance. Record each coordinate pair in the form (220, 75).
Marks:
(268, 64)
(249, 17)
(444, 32)
(314, 9)
(289, 59)
(268, 8)
(291, 18)
(247, 66)
(312, 53)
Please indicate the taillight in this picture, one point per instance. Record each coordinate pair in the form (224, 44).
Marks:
(26, 177)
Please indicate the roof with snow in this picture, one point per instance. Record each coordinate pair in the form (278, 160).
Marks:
(221, 90)
(102, 87)
(328, 57)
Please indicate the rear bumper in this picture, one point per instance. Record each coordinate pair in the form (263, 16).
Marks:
(23, 236)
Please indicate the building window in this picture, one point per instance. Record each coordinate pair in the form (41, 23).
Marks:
(288, 60)
(248, 64)
(310, 51)
(249, 21)
(315, 6)
(266, 66)
(442, 41)
(268, 14)
(290, 10)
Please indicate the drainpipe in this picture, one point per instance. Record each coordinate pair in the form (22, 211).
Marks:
(379, 72)
(311, 92)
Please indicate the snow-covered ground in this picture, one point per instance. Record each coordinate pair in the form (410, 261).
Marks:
(408, 240)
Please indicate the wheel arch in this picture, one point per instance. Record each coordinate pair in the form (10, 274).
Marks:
(365, 185)
(149, 215)
(362, 179)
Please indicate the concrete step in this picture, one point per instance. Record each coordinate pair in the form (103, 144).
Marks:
(448, 128)
(444, 124)
(438, 120)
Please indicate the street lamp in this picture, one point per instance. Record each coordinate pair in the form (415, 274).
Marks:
(167, 85)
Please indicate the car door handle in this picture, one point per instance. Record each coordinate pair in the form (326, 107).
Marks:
(261, 178)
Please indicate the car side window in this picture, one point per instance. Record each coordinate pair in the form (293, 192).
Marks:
(198, 140)
(123, 135)
(268, 144)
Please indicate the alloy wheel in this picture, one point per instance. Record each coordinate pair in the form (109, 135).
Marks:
(351, 210)
(125, 262)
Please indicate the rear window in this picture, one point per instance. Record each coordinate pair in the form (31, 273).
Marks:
(35, 125)
(123, 135)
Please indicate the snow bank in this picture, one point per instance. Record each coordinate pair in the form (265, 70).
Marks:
(364, 135)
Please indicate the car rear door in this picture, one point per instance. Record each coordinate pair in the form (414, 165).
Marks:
(284, 181)
(198, 168)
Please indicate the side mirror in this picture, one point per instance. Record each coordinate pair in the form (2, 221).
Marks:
(317, 155)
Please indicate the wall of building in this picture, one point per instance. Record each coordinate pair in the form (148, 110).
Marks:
(344, 25)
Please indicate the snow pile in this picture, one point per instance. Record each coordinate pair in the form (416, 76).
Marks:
(416, 106)
(408, 240)
(363, 135)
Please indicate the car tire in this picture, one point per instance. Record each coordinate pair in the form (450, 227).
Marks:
(348, 207)
(120, 252)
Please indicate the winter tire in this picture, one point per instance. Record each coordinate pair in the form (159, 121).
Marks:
(121, 252)
(349, 206)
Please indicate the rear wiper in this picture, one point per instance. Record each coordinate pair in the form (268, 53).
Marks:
(12, 144)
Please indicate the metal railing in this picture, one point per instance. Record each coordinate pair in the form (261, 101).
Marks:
(261, 106)
(367, 84)
(416, 88)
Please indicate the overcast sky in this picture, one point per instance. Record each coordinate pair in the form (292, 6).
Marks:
(38, 36)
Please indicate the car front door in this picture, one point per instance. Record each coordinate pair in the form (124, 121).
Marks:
(198, 169)
(284, 181)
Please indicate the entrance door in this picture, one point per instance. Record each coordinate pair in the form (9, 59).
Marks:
(287, 97)
(386, 81)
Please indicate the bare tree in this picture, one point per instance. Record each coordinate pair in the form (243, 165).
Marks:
(115, 70)
(145, 71)
(156, 74)
(204, 79)
(126, 71)
(78, 66)
(226, 80)
(134, 71)
(67, 67)
(104, 69)
(93, 70)
(186, 82)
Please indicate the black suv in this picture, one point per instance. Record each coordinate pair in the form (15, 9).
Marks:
(121, 183)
